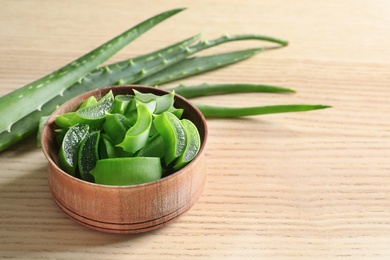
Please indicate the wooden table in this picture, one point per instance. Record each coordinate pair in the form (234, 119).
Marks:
(288, 186)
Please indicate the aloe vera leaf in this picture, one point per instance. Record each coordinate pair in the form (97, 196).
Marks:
(206, 89)
(143, 66)
(193, 66)
(37, 93)
(42, 123)
(107, 76)
(205, 44)
(251, 36)
(221, 111)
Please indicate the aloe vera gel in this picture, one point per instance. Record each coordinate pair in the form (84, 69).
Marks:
(126, 139)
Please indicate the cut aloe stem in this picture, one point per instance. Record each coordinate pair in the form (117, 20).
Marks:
(33, 96)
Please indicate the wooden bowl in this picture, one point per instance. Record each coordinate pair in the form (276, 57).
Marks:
(133, 208)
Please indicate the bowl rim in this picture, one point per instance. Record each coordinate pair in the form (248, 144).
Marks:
(50, 121)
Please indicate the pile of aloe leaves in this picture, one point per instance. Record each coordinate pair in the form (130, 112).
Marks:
(23, 108)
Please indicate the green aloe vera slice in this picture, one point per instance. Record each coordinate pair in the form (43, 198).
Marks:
(178, 112)
(95, 114)
(67, 157)
(60, 134)
(192, 145)
(131, 111)
(88, 102)
(150, 105)
(155, 147)
(107, 148)
(88, 155)
(163, 103)
(137, 136)
(127, 171)
(172, 132)
(121, 102)
(116, 126)
(64, 119)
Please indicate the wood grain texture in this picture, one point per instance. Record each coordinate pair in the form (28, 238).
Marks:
(288, 186)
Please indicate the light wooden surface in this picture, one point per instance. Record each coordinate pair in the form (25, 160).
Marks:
(288, 186)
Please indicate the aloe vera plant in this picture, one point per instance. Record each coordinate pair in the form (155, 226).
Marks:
(161, 66)
(127, 71)
(101, 77)
(57, 82)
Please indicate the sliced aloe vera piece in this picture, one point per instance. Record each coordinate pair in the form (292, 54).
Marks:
(88, 102)
(121, 102)
(172, 132)
(67, 157)
(155, 147)
(131, 111)
(95, 114)
(107, 148)
(178, 112)
(127, 171)
(137, 136)
(60, 134)
(64, 119)
(163, 103)
(150, 105)
(116, 126)
(192, 145)
(88, 155)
